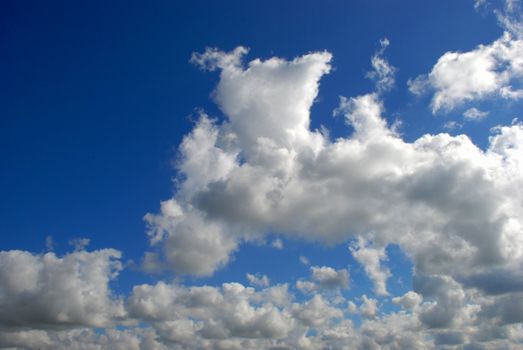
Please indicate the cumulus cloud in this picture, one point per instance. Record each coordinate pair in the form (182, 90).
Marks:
(409, 300)
(488, 71)
(368, 307)
(451, 206)
(44, 291)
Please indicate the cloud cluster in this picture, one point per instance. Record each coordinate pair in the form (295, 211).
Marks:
(453, 208)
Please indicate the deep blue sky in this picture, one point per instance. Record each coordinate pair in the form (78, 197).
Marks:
(95, 96)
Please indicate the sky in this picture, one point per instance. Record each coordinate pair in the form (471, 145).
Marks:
(261, 175)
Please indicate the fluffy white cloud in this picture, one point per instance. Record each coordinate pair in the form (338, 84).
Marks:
(492, 70)
(44, 291)
(372, 260)
(192, 245)
(441, 198)
(453, 208)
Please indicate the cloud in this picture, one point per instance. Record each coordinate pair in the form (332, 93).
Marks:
(79, 243)
(304, 260)
(192, 245)
(324, 278)
(44, 291)
(453, 208)
(452, 125)
(369, 307)
(371, 258)
(474, 114)
(487, 71)
(277, 243)
(258, 280)
(191, 315)
(382, 72)
(409, 300)
(327, 277)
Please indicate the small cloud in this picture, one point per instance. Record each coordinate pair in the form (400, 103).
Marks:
(258, 280)
(369, 307)
(277, 243)
(324, 278)
(79, 243)
(452, 125)
(474, 114)
(382, 71)
(49, 243)
(419, 85)
(352, 308)
(304, 260)
(478, 4)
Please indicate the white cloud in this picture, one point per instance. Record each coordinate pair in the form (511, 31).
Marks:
(372, 260)
(452, 125)
(382, 72)
(277, 243)
(369, 307)
(474, 114)
(192, 245)
(487, 71)
(50, 291)
(304, 260)
(258, 280)
(453, 208)
(327, 277)
(409, 300)
(324, 278)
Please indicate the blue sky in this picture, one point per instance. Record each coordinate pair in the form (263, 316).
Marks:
(343, 170)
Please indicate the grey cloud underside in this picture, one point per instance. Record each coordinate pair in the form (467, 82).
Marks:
(456, 210)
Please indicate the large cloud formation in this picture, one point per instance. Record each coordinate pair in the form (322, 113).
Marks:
(455, 210)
